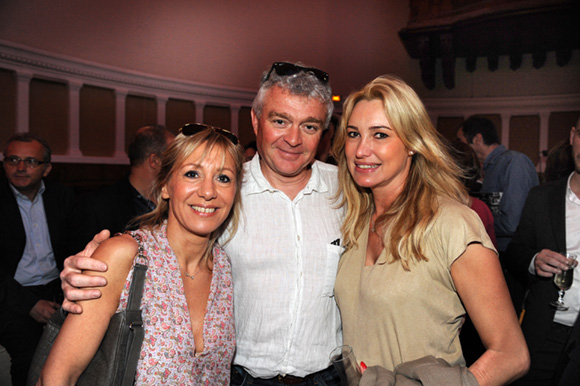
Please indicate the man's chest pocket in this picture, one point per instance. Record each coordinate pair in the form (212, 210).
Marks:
(333, 253)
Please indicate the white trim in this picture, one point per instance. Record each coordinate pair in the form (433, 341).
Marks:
(58, 67)
(513, 106)
(28, 63)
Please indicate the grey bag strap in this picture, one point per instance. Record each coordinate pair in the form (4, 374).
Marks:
(134, 319)
(136, 290)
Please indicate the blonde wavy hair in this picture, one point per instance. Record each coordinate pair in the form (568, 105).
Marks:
(179, 150)
(432, 173)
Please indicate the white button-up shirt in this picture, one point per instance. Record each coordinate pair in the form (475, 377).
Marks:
(284, 260)
(37, 265)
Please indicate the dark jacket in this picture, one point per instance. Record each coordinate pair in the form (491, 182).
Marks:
(542, 226)
(111, 207)
(58, 203)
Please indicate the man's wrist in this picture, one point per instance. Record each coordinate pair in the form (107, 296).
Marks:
(532, 267)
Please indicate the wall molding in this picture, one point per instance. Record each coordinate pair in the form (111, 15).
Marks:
(30, 63)
(47, 65)
(531, 105)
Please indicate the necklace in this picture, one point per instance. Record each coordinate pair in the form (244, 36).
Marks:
(191, 276)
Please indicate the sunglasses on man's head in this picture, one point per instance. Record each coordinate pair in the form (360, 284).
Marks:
(194, 128)
(287, 69)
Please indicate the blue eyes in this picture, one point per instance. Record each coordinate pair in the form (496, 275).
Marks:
(223, 178)
(283, 123)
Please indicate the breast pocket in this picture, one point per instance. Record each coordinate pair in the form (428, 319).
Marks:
(333, 253)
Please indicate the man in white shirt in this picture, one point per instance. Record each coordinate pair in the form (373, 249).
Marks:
(550, 227)
(285, 253)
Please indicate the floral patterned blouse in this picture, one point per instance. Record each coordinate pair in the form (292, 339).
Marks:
(168, 353)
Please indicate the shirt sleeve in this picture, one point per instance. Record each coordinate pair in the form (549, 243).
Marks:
(519, 177)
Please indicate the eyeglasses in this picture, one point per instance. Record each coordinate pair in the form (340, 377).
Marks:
(194, 128)
(28, 162)
(287, 69)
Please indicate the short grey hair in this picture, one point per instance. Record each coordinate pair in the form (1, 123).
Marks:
(302, 84)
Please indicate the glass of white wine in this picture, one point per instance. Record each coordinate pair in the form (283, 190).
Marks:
(564, 281)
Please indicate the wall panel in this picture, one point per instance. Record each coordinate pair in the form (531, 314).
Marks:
(178, 113)
(448, 127)
(245, 129)
(7, 105)
(525, 136)
(49, 113)
(97, 121)
(560, 125)
(219, 116)
(140, 111)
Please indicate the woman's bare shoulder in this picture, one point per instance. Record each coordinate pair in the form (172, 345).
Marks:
(120, 249)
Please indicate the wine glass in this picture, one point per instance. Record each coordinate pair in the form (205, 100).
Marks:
(564, 281)
(345, 363)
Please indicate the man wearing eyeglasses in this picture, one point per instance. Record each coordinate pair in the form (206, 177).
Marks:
(285, 253)
(34, 219)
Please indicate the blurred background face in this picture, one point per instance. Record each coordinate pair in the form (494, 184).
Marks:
(25, 179)
(249, 153)
(376, 156)
(288, 132)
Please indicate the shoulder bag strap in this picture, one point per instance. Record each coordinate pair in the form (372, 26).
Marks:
(134, 319)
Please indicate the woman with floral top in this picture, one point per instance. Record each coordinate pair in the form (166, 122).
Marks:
(187, 300)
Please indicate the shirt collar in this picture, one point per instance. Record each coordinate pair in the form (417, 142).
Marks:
(494, 155)
(570, 195)
(21, 196)
(255, 181)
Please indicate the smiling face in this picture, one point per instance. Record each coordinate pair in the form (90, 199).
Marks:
(287, 133)
(201, 192)
(25, 179)
(376, 156)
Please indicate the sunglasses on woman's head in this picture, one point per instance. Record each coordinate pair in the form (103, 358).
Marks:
(287, 69)
(194, 128)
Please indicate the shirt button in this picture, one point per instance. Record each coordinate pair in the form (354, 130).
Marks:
(298, 237)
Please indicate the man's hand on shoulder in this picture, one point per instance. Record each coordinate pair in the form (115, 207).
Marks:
(73, 280)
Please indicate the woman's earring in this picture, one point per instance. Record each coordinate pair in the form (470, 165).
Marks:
(411, 152)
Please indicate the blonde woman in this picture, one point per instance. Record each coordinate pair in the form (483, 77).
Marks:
(417, 258)
(187, 300)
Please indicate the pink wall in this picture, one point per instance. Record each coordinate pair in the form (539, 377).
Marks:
(230, 42)
(224, 42)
